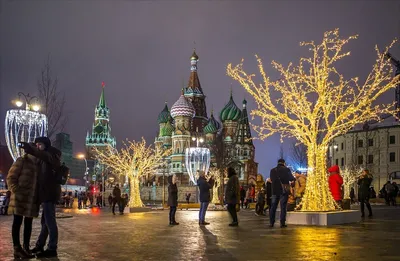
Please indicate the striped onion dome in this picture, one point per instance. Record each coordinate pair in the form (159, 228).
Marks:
(182, 107)
(230, 112)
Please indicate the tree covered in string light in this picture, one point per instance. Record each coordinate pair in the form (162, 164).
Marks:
(316, 104)
(134, 160)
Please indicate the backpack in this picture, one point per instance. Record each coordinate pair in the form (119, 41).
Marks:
(62, 174)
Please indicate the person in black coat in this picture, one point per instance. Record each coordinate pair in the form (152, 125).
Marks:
(268, 193)
(280, 176)
(116, 198)
(364, 182)
(49, 193)
(232, 195)
(172, 199)
(204, 188)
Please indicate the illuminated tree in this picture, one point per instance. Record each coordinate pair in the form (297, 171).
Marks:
(216, 174)
(350, 175)
(134, 160)
(315, 104)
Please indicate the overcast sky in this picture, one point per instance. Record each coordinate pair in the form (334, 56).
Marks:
(141, 50)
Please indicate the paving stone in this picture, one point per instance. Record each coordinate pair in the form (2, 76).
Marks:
(95, 234)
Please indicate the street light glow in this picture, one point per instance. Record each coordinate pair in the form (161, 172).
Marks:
(36, 107)
(19, 103)
(81, 156)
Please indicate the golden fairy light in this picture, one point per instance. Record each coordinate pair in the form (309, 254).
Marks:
(216, 174)
(134, 160)
(350, 175)
(316, 104)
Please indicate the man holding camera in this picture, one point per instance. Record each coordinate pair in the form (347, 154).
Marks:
(49, 191)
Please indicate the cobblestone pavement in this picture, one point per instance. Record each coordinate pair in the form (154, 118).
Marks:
(98, 235)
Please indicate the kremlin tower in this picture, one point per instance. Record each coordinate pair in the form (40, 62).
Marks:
(100, 136)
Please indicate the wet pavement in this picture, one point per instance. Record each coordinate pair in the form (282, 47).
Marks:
(98, 235)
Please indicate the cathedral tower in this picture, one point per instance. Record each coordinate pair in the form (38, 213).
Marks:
(165, 122)
(182, 112)
(195, 94)
(229, 116)
(100, 136)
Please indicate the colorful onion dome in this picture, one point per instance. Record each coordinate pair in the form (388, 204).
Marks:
(212, 126)
(167, 130)
(182, 107)
(230, 112)
(164, 115)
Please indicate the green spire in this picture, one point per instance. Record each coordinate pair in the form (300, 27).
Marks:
(102, 102)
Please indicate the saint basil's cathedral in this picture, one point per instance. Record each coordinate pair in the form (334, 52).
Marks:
(181, 127)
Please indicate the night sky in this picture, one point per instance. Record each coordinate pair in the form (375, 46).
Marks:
(141, 50)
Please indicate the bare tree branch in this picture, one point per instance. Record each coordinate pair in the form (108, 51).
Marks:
(53, 100)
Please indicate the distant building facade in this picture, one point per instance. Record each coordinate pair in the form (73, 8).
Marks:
(375, 147)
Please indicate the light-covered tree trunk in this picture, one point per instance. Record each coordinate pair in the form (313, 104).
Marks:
(317, 196)
(134, 199)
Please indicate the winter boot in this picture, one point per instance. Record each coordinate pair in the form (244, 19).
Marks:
(20, 253)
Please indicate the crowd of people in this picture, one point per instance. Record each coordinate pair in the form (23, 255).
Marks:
(282, 188)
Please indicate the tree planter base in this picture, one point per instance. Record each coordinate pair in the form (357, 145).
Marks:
(136, 210)
(322, 218)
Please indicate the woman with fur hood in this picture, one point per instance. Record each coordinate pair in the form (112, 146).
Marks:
(22, 180)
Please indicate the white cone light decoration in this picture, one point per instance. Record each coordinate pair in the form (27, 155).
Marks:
(23, 126)
(197, 159)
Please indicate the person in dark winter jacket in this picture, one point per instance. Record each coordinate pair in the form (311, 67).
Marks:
(364, 181)
(172, 199)
(24, 203)
(49, 194)
(280, 176)
(242, 196)
(260, 202)
(204, 189)
(116, 198)
(232, 195)
(268, 193)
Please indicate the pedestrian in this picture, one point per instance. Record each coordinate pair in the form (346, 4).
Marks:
(6, 203)
(122, 203)
(335, 184)
(268, 193)
(390, 192)
(352, 196)
(49, 193)
(248, 198)
(116, 197)
(80, 200)
(364, 181)
(395, 193)
(188, 195)
(24, 204)
(242, 196)
(260, 202)
(299, 186)
(204, 189)
(172, 199)
(232, 195)
(280, 176)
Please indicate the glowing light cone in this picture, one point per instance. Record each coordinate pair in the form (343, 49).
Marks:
(23, 126)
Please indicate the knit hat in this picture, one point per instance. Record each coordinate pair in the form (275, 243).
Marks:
(334, 168)
(46, 141)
